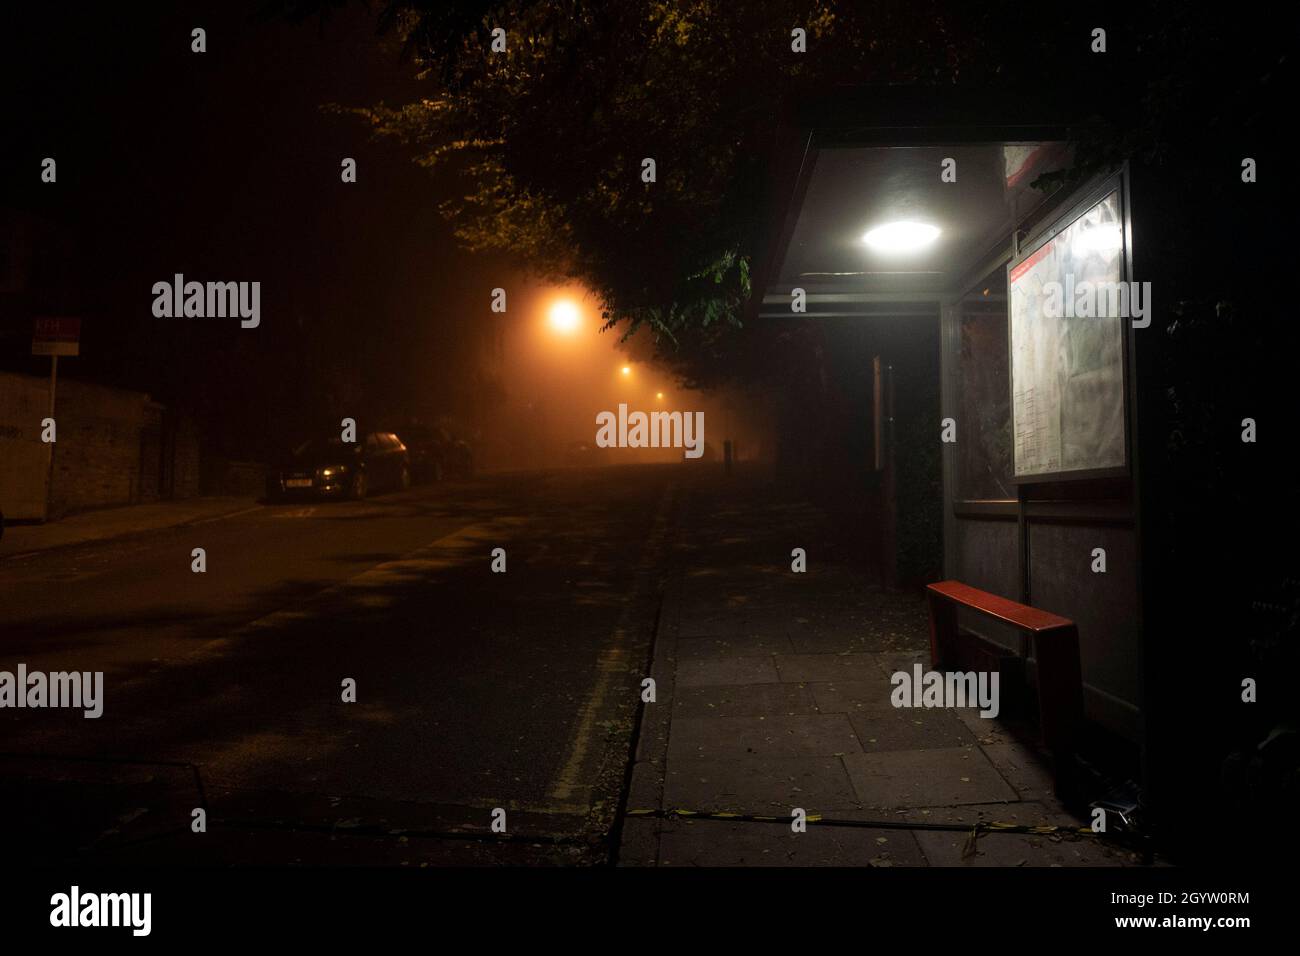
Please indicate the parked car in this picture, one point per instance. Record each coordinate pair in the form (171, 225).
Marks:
(436, 454)
(430, 448)
(581, 454)
(333, 468)
(461, 459)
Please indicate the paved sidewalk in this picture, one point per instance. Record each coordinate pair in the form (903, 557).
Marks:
(773, 693)
(115, 522)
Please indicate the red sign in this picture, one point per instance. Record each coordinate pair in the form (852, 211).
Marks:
(57, 337)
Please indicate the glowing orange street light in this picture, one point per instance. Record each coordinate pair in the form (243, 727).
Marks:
(627, 370)
(564, 317)
(659, 395)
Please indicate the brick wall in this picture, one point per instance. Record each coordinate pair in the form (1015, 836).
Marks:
(98, 455)
(24, 401)
(185, 461)
(110, 448)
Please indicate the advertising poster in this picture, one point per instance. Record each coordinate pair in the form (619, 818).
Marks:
(1067, 370)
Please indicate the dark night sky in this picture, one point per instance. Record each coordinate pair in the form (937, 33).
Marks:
(222, 166)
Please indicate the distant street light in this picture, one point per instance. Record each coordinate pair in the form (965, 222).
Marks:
(627, 370)
(659, 395)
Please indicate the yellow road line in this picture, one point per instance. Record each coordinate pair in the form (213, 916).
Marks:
(612, 661)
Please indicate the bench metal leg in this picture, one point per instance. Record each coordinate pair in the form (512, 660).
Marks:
(1060, 698)
(943, 628)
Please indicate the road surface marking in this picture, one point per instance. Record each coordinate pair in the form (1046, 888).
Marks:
(451, 548)
(612, 661)
(233, 514)
(296, 513)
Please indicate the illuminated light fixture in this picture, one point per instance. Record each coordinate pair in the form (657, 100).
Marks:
(565, 317)
(659, 395)
(626, 370)
(901, 236)
(1103, 238)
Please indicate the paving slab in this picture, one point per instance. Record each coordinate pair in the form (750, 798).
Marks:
(800, 736)
(949, 848)
(987, 730)
(708, 671)
(763, 785)
(1023, 769)
(904, 660)
(828, 667)
(1016, 849)
(852, 696)
(839, 641)
(712, 625)
(737, 645)
(905, 728)
(1023, 813)
(772, 628)
(720, 843)
(744, 700)
(921, 778)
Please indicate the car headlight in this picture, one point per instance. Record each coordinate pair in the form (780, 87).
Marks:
(333, 470)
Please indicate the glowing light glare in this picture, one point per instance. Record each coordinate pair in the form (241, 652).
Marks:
(901, 236)
(626, 370)
(659, 395)
(1103, 238)
(565, 317)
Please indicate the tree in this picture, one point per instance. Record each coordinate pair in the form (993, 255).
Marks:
(550, 135)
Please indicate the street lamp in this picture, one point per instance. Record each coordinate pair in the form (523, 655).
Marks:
(627, 370)
(564, 317)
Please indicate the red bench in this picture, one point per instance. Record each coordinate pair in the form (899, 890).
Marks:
(1055, 645)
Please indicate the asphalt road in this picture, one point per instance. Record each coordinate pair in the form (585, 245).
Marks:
(223, 690)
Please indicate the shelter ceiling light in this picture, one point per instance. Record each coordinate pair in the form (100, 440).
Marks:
(901, 236)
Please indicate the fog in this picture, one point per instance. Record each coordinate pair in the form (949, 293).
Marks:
(553, 371)
(368, 308)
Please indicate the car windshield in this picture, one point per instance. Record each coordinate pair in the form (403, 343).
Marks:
(321, 448)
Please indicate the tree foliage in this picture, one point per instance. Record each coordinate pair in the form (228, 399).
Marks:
(549, 136)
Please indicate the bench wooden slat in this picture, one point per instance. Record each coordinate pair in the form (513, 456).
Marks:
(1018, 615)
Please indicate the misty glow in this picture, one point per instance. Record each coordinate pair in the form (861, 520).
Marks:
(564, 317)
(652, 430)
